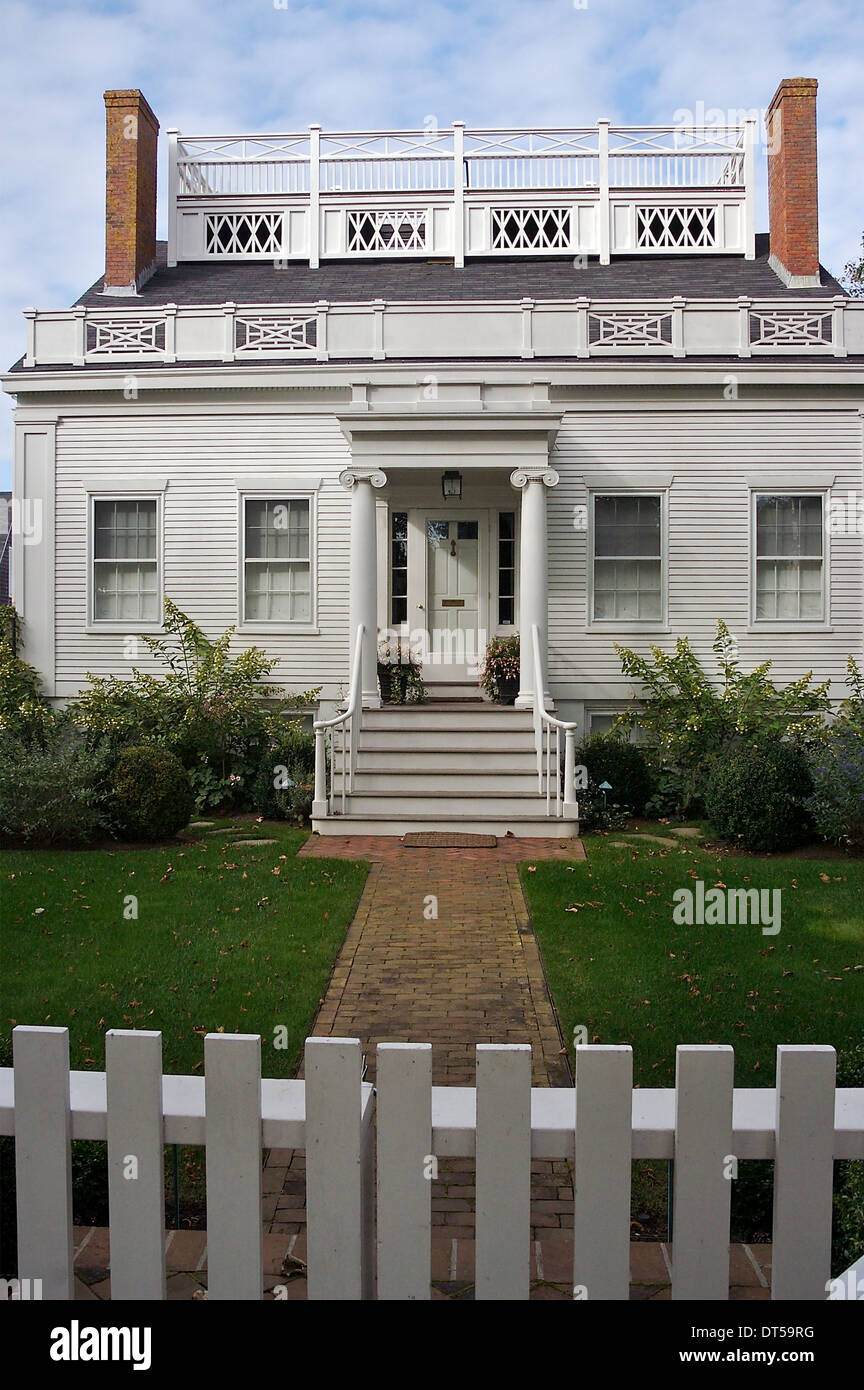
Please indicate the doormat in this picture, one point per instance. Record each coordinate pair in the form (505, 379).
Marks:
(447, 839)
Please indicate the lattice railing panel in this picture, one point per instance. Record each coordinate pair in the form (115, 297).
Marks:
(126, 338)
(384, 229)
(791, 328)
(630, 330)
(531, 229)
(263, 333)
(243, 233)
(676, 228)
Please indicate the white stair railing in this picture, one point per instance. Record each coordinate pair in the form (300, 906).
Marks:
(547, 739)
(348, 723)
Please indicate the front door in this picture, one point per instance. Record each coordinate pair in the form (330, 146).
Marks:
(456, 595)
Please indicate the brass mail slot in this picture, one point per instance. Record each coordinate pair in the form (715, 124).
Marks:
(452, 603)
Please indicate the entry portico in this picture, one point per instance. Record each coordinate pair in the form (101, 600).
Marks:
(449, 599)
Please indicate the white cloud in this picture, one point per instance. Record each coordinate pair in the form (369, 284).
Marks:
(383, 64)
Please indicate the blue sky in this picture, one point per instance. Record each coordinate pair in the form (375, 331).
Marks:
(256, 65)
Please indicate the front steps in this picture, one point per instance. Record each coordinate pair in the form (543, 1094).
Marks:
(460, 765)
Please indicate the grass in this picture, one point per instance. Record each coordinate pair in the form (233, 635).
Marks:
(227, 938)
(619, 965)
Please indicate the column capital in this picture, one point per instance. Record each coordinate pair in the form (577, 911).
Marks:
(521, 477)
(350, 476)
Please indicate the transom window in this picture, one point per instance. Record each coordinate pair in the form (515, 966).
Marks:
(125, 560)
(627, 558)
(277, 560)
(790, 582)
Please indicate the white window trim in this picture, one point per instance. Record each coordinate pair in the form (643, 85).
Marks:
(629, 625)
(103, 491)
(277, 494)
(763, 487)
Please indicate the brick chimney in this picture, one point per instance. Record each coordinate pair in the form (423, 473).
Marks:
(793, 205)
(131, 132)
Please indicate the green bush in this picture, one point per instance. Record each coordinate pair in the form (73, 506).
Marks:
(756, 796)
(210, 708)
(59, 792)
(154, 796)
(847, 1244)
(837, 769)
(690, 719)
(24, 712)
(613, 759)
(285, 781)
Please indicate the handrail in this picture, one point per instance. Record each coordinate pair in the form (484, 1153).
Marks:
(544, 724)
(344, 720)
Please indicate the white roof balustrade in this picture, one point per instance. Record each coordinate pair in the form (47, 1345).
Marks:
(597, 191)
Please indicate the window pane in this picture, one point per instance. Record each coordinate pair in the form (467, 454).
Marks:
(466, 530)
(124, 530)
(627, 526)
(125, 591)
(278, 593)
(400, 526)
(788, 526)
(437, 532)
(627, 589)
(277, 529)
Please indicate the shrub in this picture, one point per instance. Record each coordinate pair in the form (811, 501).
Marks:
(848, 1233)
(24, 711)
(154, 797)
(210, 708)
(837, 769)
(57, 792)
(610, 758)
(285, 782)
(690, 720)
(756, 796)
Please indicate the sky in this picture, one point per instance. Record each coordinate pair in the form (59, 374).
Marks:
(257, 66)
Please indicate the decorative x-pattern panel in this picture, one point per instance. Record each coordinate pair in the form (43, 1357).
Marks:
(531, 229)
(285, 334)
(790, 329)
(630, 330)
(384, 230)
(126, 338)
(676, 229)
(244, 233)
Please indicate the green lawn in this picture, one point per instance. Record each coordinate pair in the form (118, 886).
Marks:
(619, 965)
(233, 938)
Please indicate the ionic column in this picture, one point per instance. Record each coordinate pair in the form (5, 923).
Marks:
(363, 593)
(533, 576)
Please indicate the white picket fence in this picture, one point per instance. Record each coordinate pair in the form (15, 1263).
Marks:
(368, 1166)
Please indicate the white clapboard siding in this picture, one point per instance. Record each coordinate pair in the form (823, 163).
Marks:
(203, 457)
(232, 1074)
(405, 1168)
(702, 1193)
(711, 452)
(803, 1172)
(503, 1177)
(136, 1168)
(601, 1172)
(43, 1158)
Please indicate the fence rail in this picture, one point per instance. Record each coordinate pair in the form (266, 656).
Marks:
(368, 1155)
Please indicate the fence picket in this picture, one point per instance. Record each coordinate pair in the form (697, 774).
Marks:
(334, 1169)
(43, 1158)
(603, 1155)
(136, 1194)
(232, 1079)
(803, 1173)
(503, 1176)
(404, 1176)
(703, 1181)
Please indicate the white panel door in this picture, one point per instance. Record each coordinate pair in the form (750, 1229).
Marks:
(456, 595)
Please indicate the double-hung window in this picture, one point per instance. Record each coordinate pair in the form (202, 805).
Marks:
(126, 585)
(789, 558)
(277, 560)
(627, 573)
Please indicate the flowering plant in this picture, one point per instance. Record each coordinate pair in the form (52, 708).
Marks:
(500, 667)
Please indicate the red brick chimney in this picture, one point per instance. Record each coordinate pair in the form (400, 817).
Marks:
(131, 132)
(793, 205)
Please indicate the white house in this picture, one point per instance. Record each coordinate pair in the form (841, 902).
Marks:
(453, 383)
